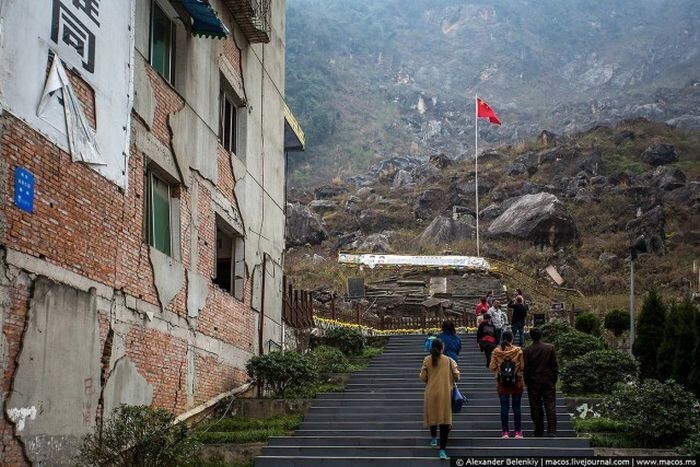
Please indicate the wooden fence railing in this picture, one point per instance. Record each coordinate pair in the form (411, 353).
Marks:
(299, 312)
(298, 309)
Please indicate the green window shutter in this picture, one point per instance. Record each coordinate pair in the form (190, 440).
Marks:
(160, 215)
(161, 42)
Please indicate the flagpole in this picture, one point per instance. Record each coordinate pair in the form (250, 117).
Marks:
(476, 167)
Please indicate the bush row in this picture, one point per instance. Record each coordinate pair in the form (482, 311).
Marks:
(291, 372)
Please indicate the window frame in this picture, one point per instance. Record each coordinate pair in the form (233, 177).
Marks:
(171, 55)
(150, 212)
(237, 267)
(230, 128)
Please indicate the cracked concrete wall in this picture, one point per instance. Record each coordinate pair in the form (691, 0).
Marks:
(55, 393)
(144, 98)
(126, 385)
(194, 144)
(197, 292)
(168, 275)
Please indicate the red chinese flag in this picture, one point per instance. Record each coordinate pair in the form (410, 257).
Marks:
(484, 111)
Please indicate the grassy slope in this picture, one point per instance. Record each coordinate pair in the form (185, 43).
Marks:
(601, 224)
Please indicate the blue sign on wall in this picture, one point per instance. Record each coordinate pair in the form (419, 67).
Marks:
(24, 190)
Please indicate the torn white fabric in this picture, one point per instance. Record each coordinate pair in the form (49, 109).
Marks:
(81, 138)
(459, 262)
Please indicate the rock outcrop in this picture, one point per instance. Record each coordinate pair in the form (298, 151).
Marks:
(443, 230)
(304, 226)
(647, 232)
(540, 218)
(660, 154)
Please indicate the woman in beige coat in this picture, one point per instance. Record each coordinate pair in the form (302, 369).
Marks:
(440, 373)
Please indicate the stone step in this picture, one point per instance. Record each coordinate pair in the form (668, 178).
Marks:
(418, 384)
(421, 440)
(422, 433)
(476, 419)
(419, 451)
(306, 461)
(417, 408)
(491, 427)
(402, 395)
(405, 404)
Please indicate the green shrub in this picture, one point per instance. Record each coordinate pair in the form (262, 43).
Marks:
(597, 425)
(137, 435)
(675, 340)
(230, 424)
(575, 344)
(598, 372)
(683, 363)
(552, 330)
(694, 382)
(350, 341)
(617, 321)
(691, 447)
(279, 371)
(655, 412)
(329, 360)
(649, 334)
(589, 323)
(310, 391)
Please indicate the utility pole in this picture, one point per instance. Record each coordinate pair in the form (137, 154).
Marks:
(633, 257)
(476, 167)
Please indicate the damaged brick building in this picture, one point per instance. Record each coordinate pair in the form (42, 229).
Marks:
(143, 151)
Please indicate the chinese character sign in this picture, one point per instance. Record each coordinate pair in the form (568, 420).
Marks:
(24, 190)
(93, 39)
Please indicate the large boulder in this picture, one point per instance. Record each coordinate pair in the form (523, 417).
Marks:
(432, 201)
(425, 173)
(402, 178)
(660, 154)
(688, 195)
(443, 230)
(647, 232)
(388, 167)
(440, 161)
(668, 178)
(304, 226)
(540, 218)
(321, 206)
(357, 241)
(329, 191)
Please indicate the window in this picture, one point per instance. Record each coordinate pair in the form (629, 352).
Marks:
(230, 259)
(158, 213)
(228, 122)
(162, 42)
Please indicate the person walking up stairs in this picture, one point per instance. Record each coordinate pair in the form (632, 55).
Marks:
(377, 421)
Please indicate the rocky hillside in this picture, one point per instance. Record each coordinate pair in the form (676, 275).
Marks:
(575, 202)
(374, 80)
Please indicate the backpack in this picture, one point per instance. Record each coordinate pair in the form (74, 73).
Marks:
(506, 374)
(489, 336)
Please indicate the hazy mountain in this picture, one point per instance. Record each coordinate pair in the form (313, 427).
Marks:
(370, 80)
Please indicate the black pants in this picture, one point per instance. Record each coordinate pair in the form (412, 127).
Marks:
(488, 350)
(543, 394)
(444, 432)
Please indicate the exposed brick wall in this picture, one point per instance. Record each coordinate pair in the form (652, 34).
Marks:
(13, 328)
(89, 226)
(213, 374)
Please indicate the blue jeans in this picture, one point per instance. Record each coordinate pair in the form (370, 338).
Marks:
(519, 334)
(505, 408)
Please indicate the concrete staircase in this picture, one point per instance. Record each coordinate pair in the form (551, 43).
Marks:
(378, 419)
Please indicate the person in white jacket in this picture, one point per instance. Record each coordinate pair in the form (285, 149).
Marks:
(499, 318)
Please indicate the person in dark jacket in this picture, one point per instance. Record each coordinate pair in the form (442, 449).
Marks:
(486, 337)
(541, 373)
(518, 320)
(449, 337)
